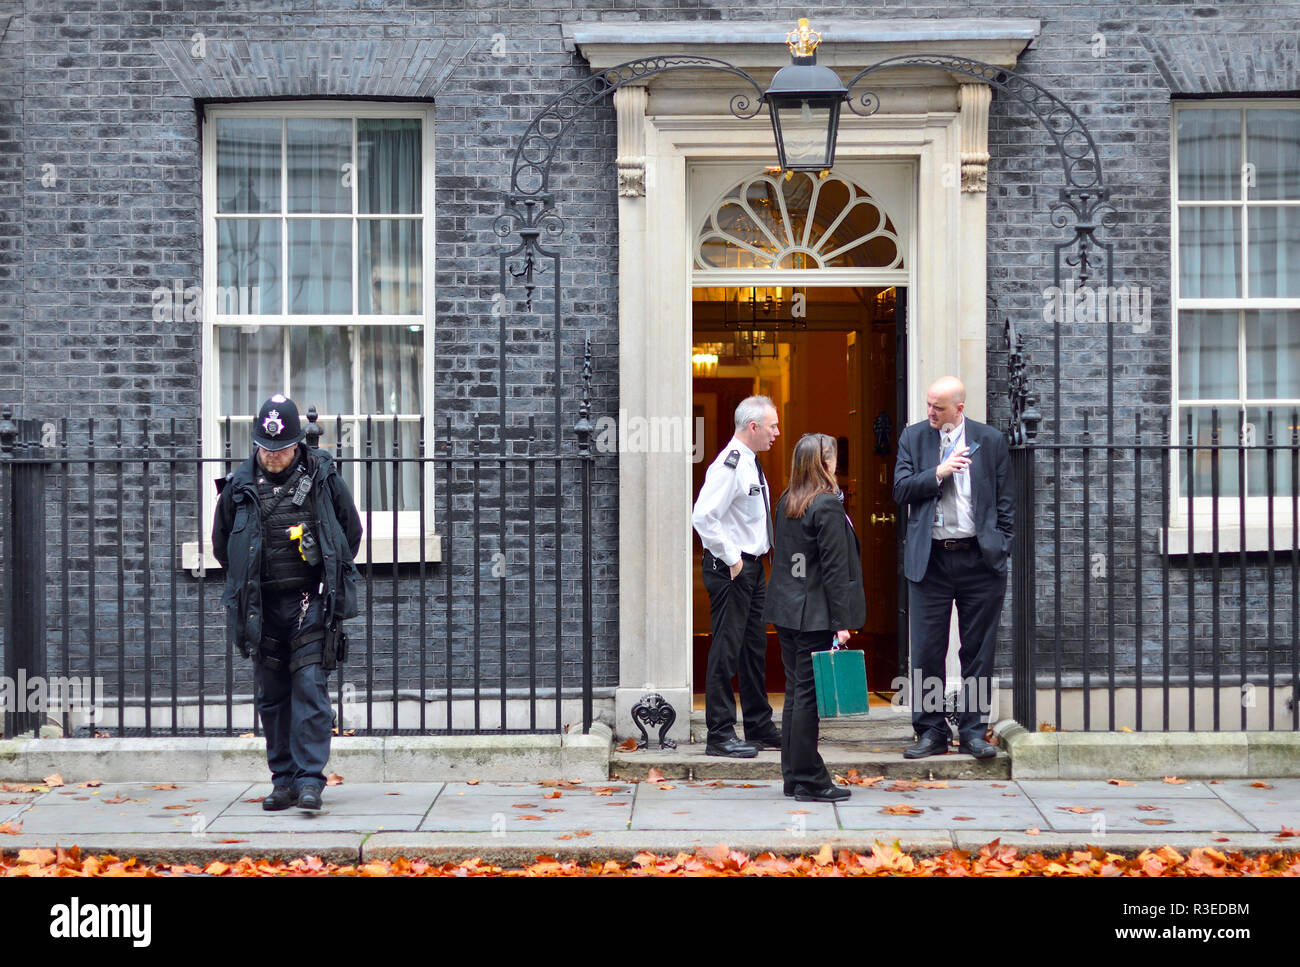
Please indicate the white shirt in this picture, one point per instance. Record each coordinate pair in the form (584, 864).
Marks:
(730, 513)
(955, 506)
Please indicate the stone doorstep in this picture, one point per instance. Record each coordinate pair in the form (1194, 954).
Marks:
(691, 762)
(871, 743)
(355, 758)
(882, 724)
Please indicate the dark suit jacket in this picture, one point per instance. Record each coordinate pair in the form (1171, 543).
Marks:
(992, 493)
(816, 569)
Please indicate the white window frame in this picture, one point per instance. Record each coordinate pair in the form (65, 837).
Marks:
(384, 549)
(1229, 507)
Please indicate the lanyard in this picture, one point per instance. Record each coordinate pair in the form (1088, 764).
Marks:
(953, 445)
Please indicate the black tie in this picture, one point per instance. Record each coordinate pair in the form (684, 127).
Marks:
(767, 507)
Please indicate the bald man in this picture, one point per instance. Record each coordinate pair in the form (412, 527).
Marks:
(953, 479)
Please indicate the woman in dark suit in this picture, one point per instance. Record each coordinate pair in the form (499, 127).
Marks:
(815, 595)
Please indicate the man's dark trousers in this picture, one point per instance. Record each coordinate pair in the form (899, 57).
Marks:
(964, 577)
(739, 648)
(294, 706)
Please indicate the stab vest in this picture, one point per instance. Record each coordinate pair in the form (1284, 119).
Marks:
(283, 568)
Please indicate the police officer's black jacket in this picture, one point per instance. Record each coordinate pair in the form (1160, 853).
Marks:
(237, 542)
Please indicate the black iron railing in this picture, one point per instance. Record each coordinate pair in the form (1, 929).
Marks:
(1155, 580)
(476, 558)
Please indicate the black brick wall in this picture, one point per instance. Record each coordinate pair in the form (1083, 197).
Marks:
(108, 94)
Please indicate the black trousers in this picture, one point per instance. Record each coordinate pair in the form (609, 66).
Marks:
(801, 763)
(294, 705)
(963, 577)
(739, 648)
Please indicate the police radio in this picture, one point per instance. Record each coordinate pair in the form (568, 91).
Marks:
(304, 488)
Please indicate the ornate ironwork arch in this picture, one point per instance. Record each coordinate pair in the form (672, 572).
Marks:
(529, 203)
(1084, 197)
(537, 147)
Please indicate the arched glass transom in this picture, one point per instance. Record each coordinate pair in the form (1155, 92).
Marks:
(770, 222)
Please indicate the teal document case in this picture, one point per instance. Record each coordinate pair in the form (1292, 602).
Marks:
(840, 677)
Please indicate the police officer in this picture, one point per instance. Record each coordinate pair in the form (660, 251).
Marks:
(286, 531)
(733, 517)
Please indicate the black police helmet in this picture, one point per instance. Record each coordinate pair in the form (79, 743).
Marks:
(277, 426)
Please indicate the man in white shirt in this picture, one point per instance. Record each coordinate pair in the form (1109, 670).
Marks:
(734, 520)
(953, 478)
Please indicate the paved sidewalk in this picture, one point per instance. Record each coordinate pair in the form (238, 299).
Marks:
(514, 822)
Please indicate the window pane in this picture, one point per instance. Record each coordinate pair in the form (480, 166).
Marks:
(1207, 355)
(320, 368)
(248, 164)
(385, 473)
(1273, 148)
(391, 359)
(320, 265)
(252, 367)
(248, 266)
(1275, 252)
(334, 430)
(1204, 458)
(390, 266)
(1273, 354)
(318, 150)
(241, 442)
(1209, 253)
(1209, 154)
(1257, 469)
(388, 163)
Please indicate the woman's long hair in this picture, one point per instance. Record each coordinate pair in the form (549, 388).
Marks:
(808, 474)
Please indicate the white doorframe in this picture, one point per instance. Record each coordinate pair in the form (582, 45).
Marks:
(948, 335)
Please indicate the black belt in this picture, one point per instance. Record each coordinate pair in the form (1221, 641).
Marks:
(744, 556)
(951, 544)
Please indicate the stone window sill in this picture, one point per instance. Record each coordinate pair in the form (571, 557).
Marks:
(1201, 539)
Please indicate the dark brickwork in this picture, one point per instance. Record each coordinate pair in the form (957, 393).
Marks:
(109, 95)
(12, 222)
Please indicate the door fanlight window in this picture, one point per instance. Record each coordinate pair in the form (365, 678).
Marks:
(797, 222)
